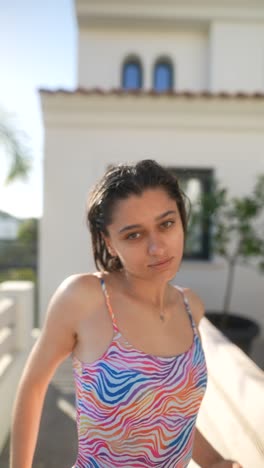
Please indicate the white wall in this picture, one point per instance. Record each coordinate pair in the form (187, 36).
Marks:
(228, 58)
(237, 56)
(216, 46)
(86, 133)
(102, 53)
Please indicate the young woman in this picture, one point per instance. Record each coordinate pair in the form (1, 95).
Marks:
(138, 362)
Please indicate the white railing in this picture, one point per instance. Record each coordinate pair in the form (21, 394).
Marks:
(7, 323)
(232, 412)
(16, 324)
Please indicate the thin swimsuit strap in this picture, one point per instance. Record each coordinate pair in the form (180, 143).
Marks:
(109, 307)
(108, 304)
(188, 308)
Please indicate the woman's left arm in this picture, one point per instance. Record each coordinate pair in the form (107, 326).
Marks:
(206, 456)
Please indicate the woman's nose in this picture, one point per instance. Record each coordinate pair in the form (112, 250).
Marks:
(155, 246)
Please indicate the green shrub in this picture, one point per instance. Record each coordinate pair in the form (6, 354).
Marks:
(18, 274)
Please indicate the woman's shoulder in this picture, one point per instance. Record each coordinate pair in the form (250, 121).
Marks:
(77, 293)
(79, 282)
(80, 286)
(196, 304)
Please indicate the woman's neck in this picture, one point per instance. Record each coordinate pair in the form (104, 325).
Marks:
(154, 293)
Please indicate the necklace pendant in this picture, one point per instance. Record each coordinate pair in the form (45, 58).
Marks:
(162, 318)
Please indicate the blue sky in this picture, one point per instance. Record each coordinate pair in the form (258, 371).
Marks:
(38, 44)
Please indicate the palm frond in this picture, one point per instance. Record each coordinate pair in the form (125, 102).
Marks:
(18, 153)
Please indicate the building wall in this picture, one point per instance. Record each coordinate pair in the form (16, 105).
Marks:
(214, 45)
(237, 56)
(86, 133)
(102, 53)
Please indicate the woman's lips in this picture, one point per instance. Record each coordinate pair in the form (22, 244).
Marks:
(161, 263)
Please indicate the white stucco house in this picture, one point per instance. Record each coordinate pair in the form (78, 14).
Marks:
(9, 226)
(179, 81)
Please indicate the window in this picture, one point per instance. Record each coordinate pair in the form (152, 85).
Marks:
(132, 74)
(196, 183)
(163, 75)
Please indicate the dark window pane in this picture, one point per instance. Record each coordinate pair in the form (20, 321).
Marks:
(195, 183)
(193, 188)
(132, 75)
(163, 79)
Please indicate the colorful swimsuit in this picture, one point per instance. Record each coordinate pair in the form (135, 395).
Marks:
(136, 409)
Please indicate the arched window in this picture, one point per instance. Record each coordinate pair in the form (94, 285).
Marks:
(132, 74)
(163, 75)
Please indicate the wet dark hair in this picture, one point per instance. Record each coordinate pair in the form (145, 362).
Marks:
(118, 183)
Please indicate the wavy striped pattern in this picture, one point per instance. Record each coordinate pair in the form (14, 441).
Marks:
(136, 409)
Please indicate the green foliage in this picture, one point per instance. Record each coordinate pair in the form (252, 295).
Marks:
(237, 222)
(237, 228)
(16, 148)
(21, 252)
(13, 274)
(28, 232)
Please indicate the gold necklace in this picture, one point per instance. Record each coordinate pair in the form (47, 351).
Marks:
(162, 316)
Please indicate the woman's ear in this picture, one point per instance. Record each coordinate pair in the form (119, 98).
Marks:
(108, 245)
(111, 250)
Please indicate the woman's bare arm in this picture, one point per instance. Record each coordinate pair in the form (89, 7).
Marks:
(55, 343)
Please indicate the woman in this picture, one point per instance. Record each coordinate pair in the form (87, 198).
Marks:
(139, 366)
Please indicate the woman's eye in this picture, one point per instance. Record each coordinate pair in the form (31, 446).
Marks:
(133, 235)
(167, 224)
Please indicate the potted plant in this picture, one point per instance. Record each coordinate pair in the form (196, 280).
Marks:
(236, 226)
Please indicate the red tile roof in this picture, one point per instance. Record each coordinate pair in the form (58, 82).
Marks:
(152, 92)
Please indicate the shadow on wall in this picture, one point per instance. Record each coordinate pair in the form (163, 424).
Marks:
(257, 352)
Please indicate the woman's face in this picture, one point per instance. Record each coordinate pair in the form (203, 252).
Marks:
(147, 234)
